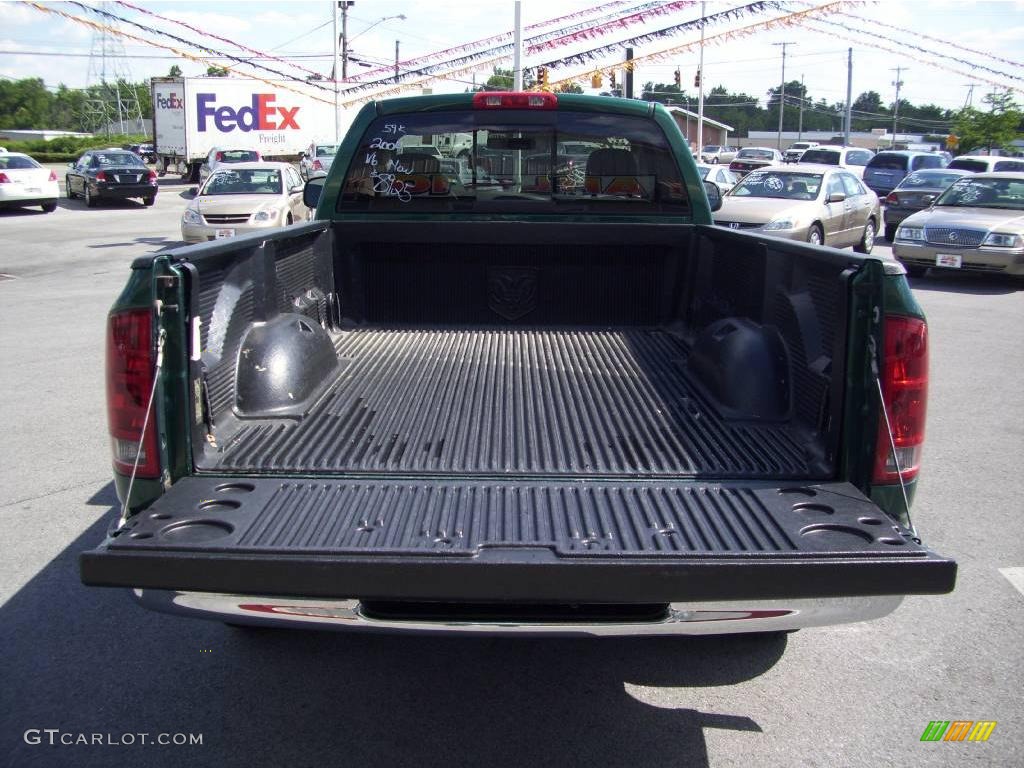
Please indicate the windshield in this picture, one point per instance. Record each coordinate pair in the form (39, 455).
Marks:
(935, 180)
(10, 162)
(326, 150)
(117, 158)
(973, 192)
(703, 170)
(237, 156)
(244, 182)
(517, 160)
(760, 154)
(820, 156)
(784, 186)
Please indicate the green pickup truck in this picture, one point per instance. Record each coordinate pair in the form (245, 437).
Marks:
(542, 395)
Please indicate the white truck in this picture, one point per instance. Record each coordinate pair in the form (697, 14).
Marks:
(192, 115)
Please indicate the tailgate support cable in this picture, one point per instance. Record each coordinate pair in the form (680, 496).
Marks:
(892, 439)
(161, 338)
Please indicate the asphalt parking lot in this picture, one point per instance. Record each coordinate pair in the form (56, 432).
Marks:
(87, 661)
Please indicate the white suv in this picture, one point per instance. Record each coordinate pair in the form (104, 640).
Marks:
(796, 149)
(852, 159)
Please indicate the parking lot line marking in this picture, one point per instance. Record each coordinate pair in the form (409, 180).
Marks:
(1015, 576)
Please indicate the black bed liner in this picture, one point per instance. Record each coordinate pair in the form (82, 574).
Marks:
(565, 402)
(537, 540)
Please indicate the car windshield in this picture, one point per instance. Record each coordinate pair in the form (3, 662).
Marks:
(931, 179)
(785, 186)
(760, 154)
(244, 182)
(326, 150)
(820, 156)
(550, 161)
(117, 158)
(11, 162)
(703, 170)
(236, 156)
(984, 193)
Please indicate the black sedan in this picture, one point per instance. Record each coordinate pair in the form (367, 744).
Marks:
(917, 191)
(110, 174)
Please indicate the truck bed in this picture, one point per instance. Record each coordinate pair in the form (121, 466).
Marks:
(495, 401)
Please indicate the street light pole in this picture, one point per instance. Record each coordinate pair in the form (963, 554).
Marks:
(896, 106)
(700, 87)
(782, 90)
(337, 106)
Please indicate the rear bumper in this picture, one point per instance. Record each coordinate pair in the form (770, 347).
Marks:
(710, 618)
(122, 191)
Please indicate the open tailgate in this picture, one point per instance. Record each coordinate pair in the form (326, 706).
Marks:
(481, 540)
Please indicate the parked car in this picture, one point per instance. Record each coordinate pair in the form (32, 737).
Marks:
(243, 197)
(317, 159)
(852, 159)
(987, 163)
(145, 151)
(976, 224)
(717, 153)
(818, 204)
(219, 156)
(796, 150)
(721, 175)
(916, 192)
(751, 158)
(887, 169)
(23, 181)
(112, 174)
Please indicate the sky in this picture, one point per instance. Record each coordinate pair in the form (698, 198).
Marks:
(300, 33)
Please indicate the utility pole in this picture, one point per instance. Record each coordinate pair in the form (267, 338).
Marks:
(334, 75)
(629, 73)
(344, 37)
(896, 107)
(849, 96)
(396, 61)
(969, 101)
(800, 122)
(782, 90)
(517, 57)
(700, 87)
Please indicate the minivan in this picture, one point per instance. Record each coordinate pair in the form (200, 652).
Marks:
(887, 169)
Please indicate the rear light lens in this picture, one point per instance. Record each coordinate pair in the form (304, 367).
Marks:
(101, 176)
(317, 165)
(905, 391)
(152, 176)
(130, 366)
(53, 176)
(514, 100)
(892, 198)
(4, 179)
(219, 156)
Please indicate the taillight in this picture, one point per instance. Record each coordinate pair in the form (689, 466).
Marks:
(317, 165)
(4, 179)
(152, 176)
(130, 366)
(904, 377)
(514, 100)
(892, 199)
(101, 176)
(219, 156)
(53, 176)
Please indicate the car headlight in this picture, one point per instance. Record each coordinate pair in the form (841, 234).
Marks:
(1001, 241)
(191, 216)
(910, 233)
(264, 215)
(779, 224)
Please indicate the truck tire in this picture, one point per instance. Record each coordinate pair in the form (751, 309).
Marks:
(815, 235)
(193, 173)
(867, 240)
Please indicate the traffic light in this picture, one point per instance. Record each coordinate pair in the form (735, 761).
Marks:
(696, 80)
(596, 81)
(678, 78)
(542, 76)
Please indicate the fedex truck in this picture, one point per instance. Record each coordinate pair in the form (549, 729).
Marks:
(192, 115)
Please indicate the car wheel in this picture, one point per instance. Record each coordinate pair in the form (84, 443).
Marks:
(288, 221)
(890, 232)
(714, 161)
(867, 240)
(147, 201)
(815, 235)
(67, 186)
(90, 201)
(49, 207)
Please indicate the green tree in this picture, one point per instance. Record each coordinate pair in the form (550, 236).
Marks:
(994, 129)
(217, 72)
(569, 88)
(175, 71)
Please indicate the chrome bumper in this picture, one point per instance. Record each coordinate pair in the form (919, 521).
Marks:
(680, 619)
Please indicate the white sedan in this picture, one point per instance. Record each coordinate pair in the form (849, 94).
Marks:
(23, 181)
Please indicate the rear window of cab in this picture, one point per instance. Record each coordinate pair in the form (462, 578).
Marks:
(549, 161)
